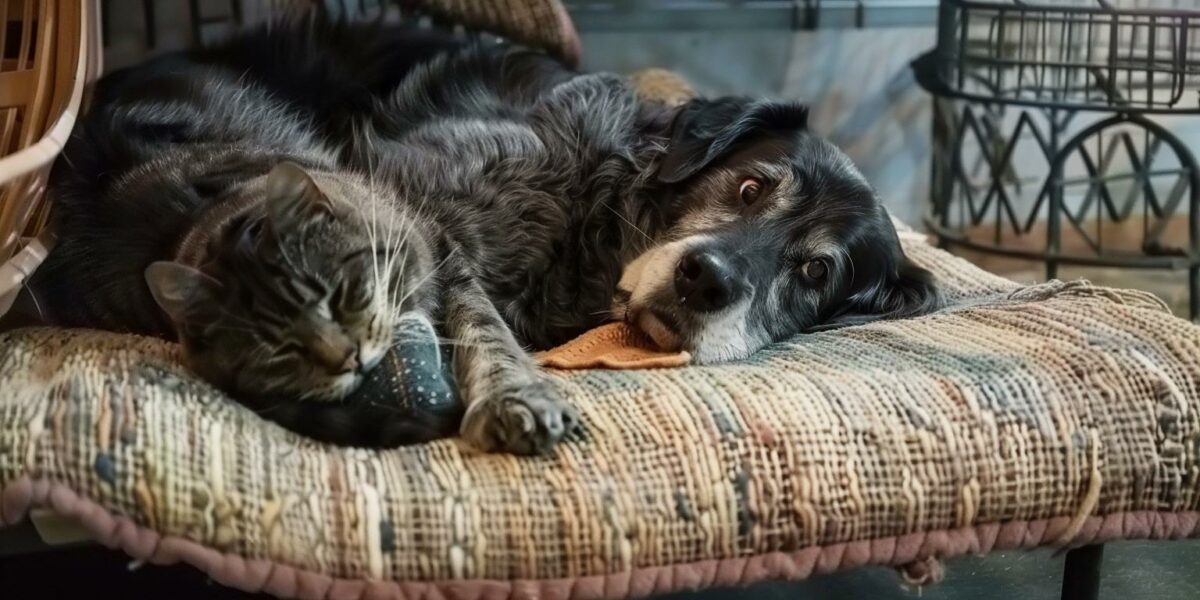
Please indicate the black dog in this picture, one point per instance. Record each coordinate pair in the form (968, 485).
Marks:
(559, 200)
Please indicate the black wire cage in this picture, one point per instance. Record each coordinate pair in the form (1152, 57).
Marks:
(1057, 121)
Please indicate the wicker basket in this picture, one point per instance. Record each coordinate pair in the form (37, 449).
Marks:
(50, 53)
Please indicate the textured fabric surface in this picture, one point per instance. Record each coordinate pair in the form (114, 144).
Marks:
(916, 551)
(1052, 414)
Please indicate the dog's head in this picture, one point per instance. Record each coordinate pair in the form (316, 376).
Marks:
(775, 232)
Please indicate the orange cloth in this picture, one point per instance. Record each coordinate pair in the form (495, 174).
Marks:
(611, 346)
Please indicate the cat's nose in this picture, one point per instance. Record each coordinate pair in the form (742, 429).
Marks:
(350, 364)
(337, 356)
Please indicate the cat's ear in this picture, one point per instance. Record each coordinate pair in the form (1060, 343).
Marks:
(292, 196)
(181, 291)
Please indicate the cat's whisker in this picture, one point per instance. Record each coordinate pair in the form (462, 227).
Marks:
(278, 358)
(393, 245)
(373, 222)
(471, 345)
(36, 305)
(403, 265)
(383, 273)
(403, 228)
(259, 352)
(231, 328)
(452, 343)
(268, 409)
(395, 409)
(430, 274)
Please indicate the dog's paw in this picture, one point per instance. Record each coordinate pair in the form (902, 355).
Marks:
(526, 419)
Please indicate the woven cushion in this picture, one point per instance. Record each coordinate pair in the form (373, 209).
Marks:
(1056, 414)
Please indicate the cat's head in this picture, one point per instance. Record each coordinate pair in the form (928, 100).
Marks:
(293, 298)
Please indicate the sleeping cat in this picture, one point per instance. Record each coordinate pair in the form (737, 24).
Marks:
(194, 202)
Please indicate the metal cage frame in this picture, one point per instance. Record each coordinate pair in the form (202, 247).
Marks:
(1083, 86)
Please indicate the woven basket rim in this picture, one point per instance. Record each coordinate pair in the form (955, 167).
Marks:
(42, 153)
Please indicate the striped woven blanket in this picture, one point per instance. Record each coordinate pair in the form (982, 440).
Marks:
(1055, 414)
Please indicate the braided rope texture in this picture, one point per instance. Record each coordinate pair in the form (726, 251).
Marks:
(1060, 407)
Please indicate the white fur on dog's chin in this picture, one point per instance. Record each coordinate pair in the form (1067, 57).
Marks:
(663, 336)
(724, 335)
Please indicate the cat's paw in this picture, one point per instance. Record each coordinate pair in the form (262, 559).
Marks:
(522, 419)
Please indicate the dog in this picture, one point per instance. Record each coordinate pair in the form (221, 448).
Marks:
(561, 200)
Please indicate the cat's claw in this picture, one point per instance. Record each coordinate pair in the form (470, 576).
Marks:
(527, 420)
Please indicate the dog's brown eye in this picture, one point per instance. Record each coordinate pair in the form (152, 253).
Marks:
(814, 269)
(749, 190)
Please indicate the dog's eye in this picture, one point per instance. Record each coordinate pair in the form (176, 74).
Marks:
(814, 269)
(749, 190)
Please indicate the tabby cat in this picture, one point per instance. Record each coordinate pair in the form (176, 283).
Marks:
(197, 201)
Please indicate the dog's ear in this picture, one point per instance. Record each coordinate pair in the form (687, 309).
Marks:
(705, 131)
(910, 292)
(886, 284)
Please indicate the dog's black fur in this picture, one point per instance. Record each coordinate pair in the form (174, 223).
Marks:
(548, 201)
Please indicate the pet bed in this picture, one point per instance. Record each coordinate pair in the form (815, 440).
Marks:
(1059, 414)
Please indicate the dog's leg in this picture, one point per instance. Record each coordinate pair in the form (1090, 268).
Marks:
(510, 407)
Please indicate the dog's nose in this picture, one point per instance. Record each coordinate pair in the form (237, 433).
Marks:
(705, 282)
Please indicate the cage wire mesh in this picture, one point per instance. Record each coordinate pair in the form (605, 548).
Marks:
(1128, 55)
(1061, 128)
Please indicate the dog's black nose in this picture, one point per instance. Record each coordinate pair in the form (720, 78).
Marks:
(705, 282)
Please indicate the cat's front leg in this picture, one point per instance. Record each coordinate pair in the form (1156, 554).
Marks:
(510, 406)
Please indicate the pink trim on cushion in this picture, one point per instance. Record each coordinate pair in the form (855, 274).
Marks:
(286, 582)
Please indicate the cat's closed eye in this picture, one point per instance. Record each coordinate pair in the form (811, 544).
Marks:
(255, 229)
(354, 299)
